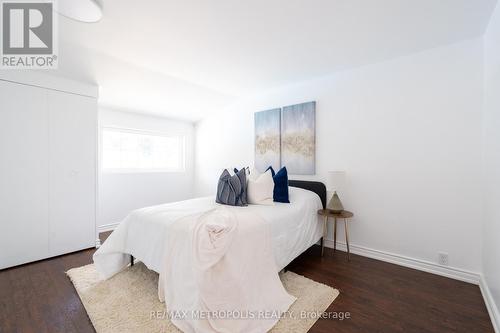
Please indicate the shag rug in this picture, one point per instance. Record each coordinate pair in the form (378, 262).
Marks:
(128, 302)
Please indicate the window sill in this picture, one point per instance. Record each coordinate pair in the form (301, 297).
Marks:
(141, 171)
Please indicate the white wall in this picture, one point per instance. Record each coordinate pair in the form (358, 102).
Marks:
(491, 242)
(119, 193)
(408, 133)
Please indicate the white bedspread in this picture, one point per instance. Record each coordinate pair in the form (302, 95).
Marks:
(219, 272)
(143, 233)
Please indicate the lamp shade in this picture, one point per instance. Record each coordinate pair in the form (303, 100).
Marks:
(336, 180)
(88, 11)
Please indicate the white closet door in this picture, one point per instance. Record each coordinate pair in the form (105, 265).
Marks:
(72, 176)
(23, 174)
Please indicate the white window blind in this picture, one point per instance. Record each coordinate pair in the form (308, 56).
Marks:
(125, 150)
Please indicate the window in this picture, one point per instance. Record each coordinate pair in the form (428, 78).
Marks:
(125, 150)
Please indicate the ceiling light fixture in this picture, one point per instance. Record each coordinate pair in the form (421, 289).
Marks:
(88, 11)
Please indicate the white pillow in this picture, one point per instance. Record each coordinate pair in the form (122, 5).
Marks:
(260, 188)
(253, 174)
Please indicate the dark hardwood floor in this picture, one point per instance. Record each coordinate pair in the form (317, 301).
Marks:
(379, 296)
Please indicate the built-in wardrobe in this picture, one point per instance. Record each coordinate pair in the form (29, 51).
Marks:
(48, 157)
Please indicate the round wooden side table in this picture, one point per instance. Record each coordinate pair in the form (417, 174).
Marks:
(344, 215)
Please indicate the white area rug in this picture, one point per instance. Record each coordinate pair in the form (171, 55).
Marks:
(128, 302)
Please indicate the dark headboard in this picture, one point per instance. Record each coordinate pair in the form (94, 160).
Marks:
(317, 187)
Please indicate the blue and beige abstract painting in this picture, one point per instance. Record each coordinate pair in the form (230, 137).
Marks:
(267, 139)
(298, 138)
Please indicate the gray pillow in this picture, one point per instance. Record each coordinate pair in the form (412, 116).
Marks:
(242, 175)
(231, 190)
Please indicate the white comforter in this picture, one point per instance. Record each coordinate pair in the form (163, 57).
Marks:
(143, 233)
(219, 272)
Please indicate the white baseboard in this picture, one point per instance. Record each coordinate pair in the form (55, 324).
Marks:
(107, 227)
(422, 265)
(490, 304)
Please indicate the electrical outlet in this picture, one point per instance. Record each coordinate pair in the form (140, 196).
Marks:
(443, 258)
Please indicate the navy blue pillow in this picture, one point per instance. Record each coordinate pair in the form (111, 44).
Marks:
(280, 193)
(272, 170)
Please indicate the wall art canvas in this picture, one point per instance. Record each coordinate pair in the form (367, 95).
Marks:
(267, 139)
(298, 138)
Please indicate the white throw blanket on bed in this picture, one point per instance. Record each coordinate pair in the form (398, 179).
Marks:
(219, 273)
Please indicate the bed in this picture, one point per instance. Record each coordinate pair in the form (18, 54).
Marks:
(218, 261)
(294, 228)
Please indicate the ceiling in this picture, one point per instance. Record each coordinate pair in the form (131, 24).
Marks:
(188, 58)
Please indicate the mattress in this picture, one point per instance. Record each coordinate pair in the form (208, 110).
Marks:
(294, 227)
